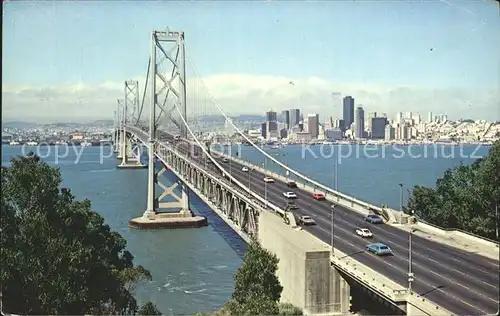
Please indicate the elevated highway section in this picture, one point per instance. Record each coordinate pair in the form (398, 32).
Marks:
(458, 281)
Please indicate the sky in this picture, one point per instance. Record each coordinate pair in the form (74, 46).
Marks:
(69, 60)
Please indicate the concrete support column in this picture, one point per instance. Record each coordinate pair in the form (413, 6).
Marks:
(185, 200)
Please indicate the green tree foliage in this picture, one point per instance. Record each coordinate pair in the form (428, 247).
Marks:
(464, 198)
(257, 288)
(58, 256)
(149, 309)
(289, 310)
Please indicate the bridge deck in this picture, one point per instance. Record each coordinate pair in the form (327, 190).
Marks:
(459, 281)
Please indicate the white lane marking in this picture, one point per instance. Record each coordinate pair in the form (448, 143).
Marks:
(423, 257)
(404, 259)
(423, 282)
(252, 176)
(435, 251)
(420, 255)
(440, 276)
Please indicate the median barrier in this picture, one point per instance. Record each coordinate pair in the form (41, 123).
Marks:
(384, 286)
(473, 237)
(429, 228)
(455, 233)
(364, 208)
(389, 215)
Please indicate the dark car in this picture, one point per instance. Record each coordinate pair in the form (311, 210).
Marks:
(374, 219)
(291, 184)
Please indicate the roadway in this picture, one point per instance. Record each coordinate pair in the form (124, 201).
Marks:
(462, 282)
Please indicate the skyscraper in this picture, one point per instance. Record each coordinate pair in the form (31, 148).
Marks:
(378, 127)
(429, 118)
(286, 118)
(294, 117)
(360, 122)
(271, 124)
(313, 125)
(271, 116)
(348, 113)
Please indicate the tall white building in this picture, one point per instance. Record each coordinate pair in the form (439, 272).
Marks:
(399, 117)
(429, 118)
(389, 132)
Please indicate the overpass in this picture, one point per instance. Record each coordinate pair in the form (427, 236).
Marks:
(445, 280)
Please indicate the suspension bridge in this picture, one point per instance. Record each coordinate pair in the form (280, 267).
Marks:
(323, 268)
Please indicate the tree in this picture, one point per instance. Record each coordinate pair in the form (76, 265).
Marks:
(257, 288)
(464, 198)
(58, 256)
(149, 309)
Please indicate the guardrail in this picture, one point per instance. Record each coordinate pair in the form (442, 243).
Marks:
(388, 214)
(350, 204)
(383, 285)
(366, 208)
(236, 188)
(454, 232)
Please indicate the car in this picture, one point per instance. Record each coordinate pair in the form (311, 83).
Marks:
(364, 232)
(318, 196)
(373, 218)
(379, 249)
(289, 195)
(225, 160)
(244, 169)
(268, 180)
(290, 205)
(291, 184)
(306, 220)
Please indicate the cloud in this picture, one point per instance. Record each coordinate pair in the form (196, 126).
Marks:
(248, 94)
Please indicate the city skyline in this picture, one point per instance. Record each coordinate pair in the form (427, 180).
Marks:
(82, 78)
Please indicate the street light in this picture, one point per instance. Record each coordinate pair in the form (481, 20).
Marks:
(249, 182)
(410, 273)
(332, 215)
(401, 203)
(401, 197)
(230, 159)
(496, 220)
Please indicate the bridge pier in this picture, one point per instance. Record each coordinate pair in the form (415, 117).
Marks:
(129, 159)
(168, 214)
(304, 270)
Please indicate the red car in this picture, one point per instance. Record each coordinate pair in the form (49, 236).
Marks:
(318, 196)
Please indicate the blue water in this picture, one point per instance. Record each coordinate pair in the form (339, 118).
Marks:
(193, 269)
(369, 173)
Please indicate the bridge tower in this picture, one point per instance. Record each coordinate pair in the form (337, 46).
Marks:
(130, 153)
(166, 46)
(116, 128)
(119, 129)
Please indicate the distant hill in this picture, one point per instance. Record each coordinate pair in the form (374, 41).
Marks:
(249, 117)
(18, 124)
(241, 117)
(102, 122)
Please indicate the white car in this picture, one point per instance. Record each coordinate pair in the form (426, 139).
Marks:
(306, 220)
(290, 195)
(244, 169)
(364, 232)
(268, 180)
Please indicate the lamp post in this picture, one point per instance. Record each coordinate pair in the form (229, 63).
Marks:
(332, 232)
(249, 182)
(230, 159)
(401, 203)
(265, 183)
(410, 273)
(496, 220)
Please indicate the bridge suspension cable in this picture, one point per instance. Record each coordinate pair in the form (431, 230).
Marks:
(225, 172)
(144, 93)
(219, 108)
